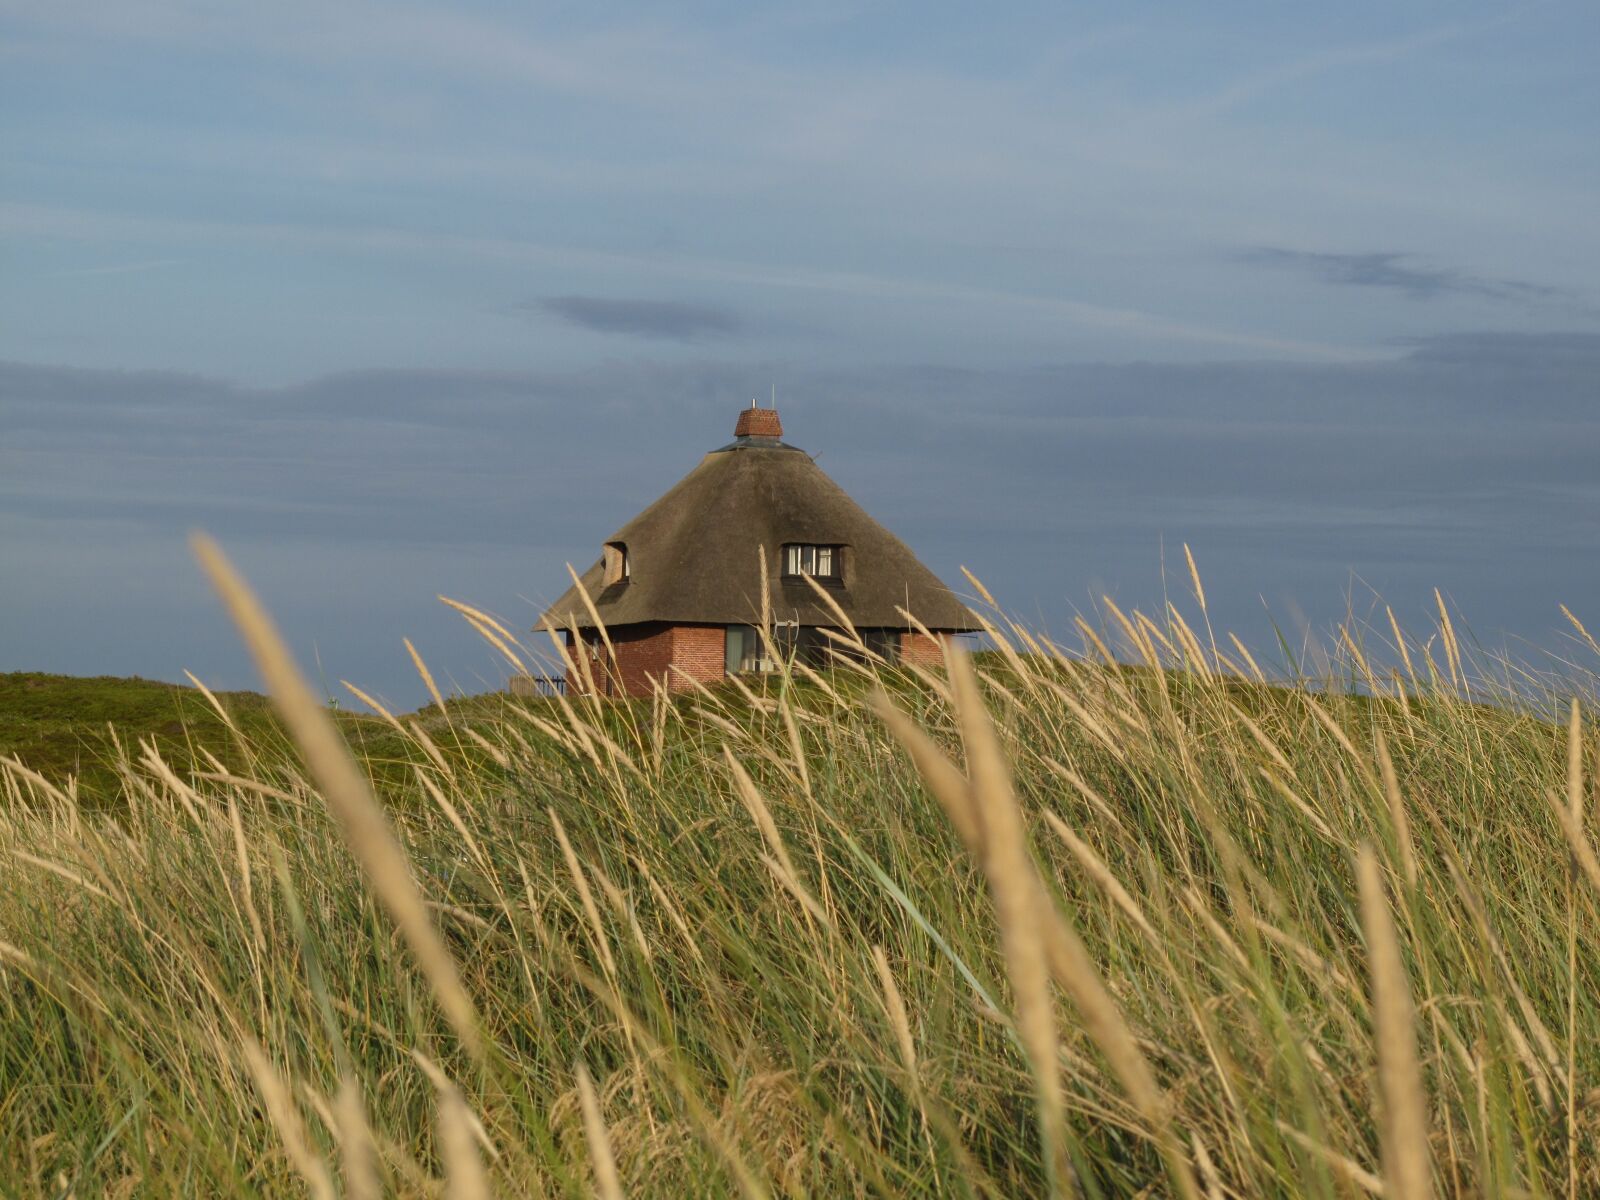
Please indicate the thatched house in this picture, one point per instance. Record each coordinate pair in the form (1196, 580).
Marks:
(679, 587)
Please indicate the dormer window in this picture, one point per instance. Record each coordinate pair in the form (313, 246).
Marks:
(617, 566)
(822, 563)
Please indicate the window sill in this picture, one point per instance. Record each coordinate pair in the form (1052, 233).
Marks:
(828, 581)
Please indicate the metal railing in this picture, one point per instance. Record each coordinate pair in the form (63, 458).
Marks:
(538, 685)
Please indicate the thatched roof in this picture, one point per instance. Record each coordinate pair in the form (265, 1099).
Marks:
(693, 553)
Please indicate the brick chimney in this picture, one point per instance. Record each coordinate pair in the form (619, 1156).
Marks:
(758, 422)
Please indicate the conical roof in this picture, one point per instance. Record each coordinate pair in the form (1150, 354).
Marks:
(693, 554)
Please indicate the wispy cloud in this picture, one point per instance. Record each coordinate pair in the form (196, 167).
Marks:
(33, 220)
(1400, 272)
(674, 320)
(1567, 361)
(1296, 70)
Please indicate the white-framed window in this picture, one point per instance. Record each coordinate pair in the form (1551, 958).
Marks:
(746, 651)
(618, 568)
(810, 558)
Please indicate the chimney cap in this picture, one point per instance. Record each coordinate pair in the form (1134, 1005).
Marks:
(758, 423)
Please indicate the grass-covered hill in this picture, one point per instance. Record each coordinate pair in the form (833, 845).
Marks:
(1059, 927)
(68, 727)
(61, 725)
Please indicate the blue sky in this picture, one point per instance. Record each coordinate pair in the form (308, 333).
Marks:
(403, 299)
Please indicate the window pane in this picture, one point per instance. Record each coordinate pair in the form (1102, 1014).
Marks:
(808, 558)
(744, 651)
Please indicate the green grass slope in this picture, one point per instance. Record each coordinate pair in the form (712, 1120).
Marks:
(77, 728)
(60, 725)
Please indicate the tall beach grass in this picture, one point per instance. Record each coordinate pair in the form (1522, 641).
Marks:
(1121, 918)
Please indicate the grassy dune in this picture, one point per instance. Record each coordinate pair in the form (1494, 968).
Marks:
(87, 729)
(1059, 926)
(60, 725)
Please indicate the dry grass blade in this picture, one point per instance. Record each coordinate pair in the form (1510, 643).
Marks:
(1582, 852)
(286, 1118)
(1193, 652)
(365, 829)
(1075, 970)
(1101, 874)
(896, 1008)
(1397, 812)
(1400, 645)
(1338, 734)
(490, 630)
(1256, 672)
(1578, 625)
(790, 884)
(1208, 1169)
(948, 785)
(1575, 814)
(361, 1179)
(427, 675)
(1194, 575)
(211, 699)
(594, 614)
(1452, 648)
(978, 586)
(607, 1184)
(822, 593)
(1403, 1124)
(585, 896)
(246, 885)
(750, 796)
(1575, 764)
(779, 863)
(64, 872)
(1013, 886)
(15, 768)
(1354, 1172)
(374, 704)
(465, 1178)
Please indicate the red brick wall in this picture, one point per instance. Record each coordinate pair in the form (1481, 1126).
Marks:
(654, 651)
(649, 652)
(921, 649)
(700, 652)
(643, 654)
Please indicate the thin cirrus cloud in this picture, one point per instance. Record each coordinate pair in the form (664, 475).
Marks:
(671, 320)
(1405, 273)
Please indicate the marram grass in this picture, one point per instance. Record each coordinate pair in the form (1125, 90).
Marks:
(1036, 923)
